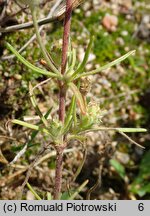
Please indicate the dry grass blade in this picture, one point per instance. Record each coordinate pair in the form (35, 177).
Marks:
(131, 140)
(7, 179)
(58, 15)
(98, 183)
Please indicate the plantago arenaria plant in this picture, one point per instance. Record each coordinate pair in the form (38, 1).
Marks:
(71, 75)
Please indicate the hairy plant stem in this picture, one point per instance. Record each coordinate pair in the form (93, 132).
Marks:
(58, 171)
(62, 96)
(42, 47)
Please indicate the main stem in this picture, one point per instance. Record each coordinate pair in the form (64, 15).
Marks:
(67, 24)
(62, 96)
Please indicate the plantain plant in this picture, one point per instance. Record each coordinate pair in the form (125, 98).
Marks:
(66, 125)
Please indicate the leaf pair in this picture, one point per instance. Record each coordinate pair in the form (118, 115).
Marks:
(80, 70)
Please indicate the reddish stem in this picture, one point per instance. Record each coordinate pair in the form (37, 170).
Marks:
(58, 173)
(67, 25)
(62, 96)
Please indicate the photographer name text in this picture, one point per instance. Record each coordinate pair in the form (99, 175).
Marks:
(69, 206)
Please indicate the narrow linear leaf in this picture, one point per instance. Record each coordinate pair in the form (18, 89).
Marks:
(28, 64)
(33, 192)
(69, 116)
(125, 130)
(74, 53)
(86, 56)
(78, 190)
(97, 184)
(35, 105)
(31, 126)
(46, 56)
(34, 133)
(25, 124)
(80, 165)
(131, 130)
(122, 131)
(75, 109)
(69, 53)
(115, 62)
(49, 196)
(79, 98)
(71, 59)
(118, 167)
(75, 116)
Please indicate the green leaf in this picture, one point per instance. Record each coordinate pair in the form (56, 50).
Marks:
(145, 165)
(85, 124)
(25, 124)
(86, 56)
(31, 126)
(34, 133)
(78, 171)
(125, 130)
(78, 190)
(141, 184)
(140, 187)
(74, 53)
(69, 116)
(79, 98)
(55, 129)
(34, 192)
(72, 62)
(66, 195)
(118, 167)
(115, 62)
(131, 130)
(29, 65)
(49, 196)
(122, 131)
(35, 105)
